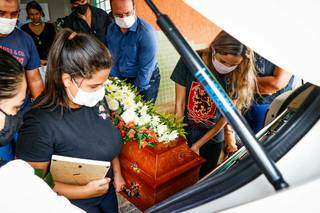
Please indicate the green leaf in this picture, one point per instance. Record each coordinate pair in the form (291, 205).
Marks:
(47, 177)
(139, 136)
(40, 173)
(49, 180)
(152, 145)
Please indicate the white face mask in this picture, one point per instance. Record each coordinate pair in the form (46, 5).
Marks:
(125, 22)
(7, 25)
(221, 68)
(88, 99)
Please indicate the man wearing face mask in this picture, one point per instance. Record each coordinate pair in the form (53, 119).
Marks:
(87, 19)
(20, 45)
(133, 46)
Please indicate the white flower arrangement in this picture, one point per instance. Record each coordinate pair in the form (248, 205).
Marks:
(137, 120)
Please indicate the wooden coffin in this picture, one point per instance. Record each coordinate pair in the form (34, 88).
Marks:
(154, 174)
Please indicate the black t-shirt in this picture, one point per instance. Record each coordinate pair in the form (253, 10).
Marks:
(99, 24)
(86, 132)
(200, 111)
(43, 41)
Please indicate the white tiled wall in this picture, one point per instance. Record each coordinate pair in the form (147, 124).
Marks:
(167, 59)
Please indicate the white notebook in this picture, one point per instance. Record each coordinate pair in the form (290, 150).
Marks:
(77, 171)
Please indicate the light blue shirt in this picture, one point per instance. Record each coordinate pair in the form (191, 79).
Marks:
(133, 52)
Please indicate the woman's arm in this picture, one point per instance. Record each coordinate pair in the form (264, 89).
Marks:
(92, 189)
(271, 84)
(119, 182)
(180, 103)
(230, 139)
(210, 134)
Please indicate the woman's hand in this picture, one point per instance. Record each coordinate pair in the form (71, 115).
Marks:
(195, 148)
(230, 140)
(97, 188)
(119, 182)
(231, 148)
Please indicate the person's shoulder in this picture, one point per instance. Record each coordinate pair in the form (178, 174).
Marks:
(111, 28)
(180, 74)
(25, 27)
(38, 113)
(24, 36)
(146, 32)
(21, 34)
(144, 25)
(181, 67)
(67, 20)
(99, 11)
(35, 116)
(50, 25)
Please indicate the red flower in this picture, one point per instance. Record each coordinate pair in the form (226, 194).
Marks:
(142, 130)
(123, 133)
(131, 133)
(144, 143)
(152, 133)
(152, 139)
(120, 124)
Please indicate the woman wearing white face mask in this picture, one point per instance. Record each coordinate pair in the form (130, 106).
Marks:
(232, 64)
(71, 119)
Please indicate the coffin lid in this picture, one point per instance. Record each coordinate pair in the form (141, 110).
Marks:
(285, 32)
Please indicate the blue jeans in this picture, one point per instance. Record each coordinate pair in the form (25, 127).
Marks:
(209, 151)
(256, 116)
(150, 94)
(107, 204)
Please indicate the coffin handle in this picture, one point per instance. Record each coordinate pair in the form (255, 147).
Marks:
(135, 168)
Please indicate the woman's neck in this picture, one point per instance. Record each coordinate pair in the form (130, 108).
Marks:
(73, 105)
(36, 25)
(87, 17)
(37, 29)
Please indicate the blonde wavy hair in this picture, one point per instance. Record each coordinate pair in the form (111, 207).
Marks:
(243, 79)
